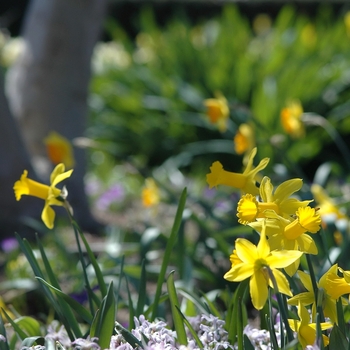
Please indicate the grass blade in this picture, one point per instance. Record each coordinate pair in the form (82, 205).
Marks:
(168, 249)
(174, 303)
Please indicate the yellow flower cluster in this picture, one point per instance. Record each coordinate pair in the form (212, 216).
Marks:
(285, 224)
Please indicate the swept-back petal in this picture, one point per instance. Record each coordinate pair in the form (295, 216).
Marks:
(291, 205)
(59, 169)
(323, 280)
(61, 177)
(246, 250)
(282, 283)
(258, 290)
(287, 188)
(266, 189)
(305, 298)
(305, 280)
(307, 244)
(48, 216)
(293, 268)
(239, 272)
(282, 258)
(251, 156)
(263, 247)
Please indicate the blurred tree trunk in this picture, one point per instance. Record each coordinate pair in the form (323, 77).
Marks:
(48, 85)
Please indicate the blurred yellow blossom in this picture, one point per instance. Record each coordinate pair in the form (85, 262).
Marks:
(262, 24)
(150, 193)
(245, 181)
(59, 149)
(258, 264)
(308, 36)
(244, 140)
(218, 112)
(291, 119)
(50, 194)
(347, 22)
(306, 330)
(326, 204)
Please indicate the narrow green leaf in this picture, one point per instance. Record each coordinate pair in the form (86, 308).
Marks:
(141, 301)
(174, 303)
(168, 250)
(190, 328)
(3, 344)
(39, 340)
(96, 266)
(340, 314)
(248, 344)
(106, 319)
(149, 310)
(202, 307)
(131, 306)
(21, 334)
(76, 306)
(337, 339)
(128, 336)
(29, 324)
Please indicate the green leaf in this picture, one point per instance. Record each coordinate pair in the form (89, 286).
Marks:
(128, 336)
(248, 344)
(3, 345)
(337, 339)
(30, 325)
(105, 320)
(168, 250)
(174, 303)
(96, 266)
(21, 334)
(131, 306)
(190, 328)
(39, 340)
(76, 306)
(141, 301)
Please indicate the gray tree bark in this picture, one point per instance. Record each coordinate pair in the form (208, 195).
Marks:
(47, 87)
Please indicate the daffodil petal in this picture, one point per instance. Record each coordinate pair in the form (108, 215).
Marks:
(282, 283)
(305, 298)
(293, 268)
(48, 216)
(287, 188)
(307, 244)
(246, 250)
(61, 177)
(305, 280)
(266, 189)
(258, 290)
(283, 258)
(239, 272)
(263, 247)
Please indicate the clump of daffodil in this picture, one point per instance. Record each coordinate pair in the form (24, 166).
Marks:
(59, 149)
(291, 234)
(307, 331)
(49, 193)
(218, 112)
(246, 181)
(249, 208)
(260, 264)
(291, 119)
(306, 298)
(150, 193)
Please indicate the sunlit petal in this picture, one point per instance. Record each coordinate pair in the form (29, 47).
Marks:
(239, 272)
(283, 258)
(48, 216)
(245, 250)
(282, 283)
(287, 188)
(258, 290)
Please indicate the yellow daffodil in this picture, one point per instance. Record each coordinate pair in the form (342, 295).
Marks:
(50, 194)
(218, 112)
(244, 139)
(291, 235)
(150, 193)
(338, 286)
(59, 149)
(245, 181)
(307, 298)
(249, 209)
(258, 263)
(326, 204)
(291, 119)
(307, 331)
